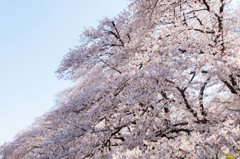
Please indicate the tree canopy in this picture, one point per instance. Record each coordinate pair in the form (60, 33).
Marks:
(160, 80)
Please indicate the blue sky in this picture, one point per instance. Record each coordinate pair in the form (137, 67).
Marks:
(34, 37)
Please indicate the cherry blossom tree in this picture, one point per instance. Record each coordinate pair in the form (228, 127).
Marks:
(160, 80)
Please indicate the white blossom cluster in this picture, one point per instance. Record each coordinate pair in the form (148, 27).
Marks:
(161, 80)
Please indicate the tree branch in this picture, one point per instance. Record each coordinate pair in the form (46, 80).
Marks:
(110, 66)
(201, 97)
(206, 4)
(230, 87)
(182, 92)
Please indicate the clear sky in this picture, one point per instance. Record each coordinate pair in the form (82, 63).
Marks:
(34, 37)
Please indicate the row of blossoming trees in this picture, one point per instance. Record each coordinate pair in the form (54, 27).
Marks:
(160, 80)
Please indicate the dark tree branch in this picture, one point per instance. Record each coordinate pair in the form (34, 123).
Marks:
(206, 4)
(180, 124)
(117, 37)
(116, 45)
(233, 81)
(182, 92)
(199, 30)
(176, 130)
(197, 10)
(182, 51)
(115, 131)
(110, 66)
(220, 27)
(230, 87)
(120, 89)
(233, 109)
(129, 38)
(201, 97)
(195, 17)
(200, 22)
(194, 74)
(118, 34)
(164, 95)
